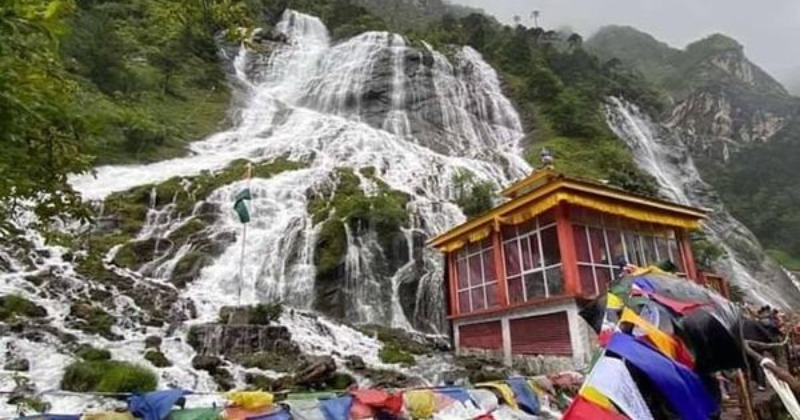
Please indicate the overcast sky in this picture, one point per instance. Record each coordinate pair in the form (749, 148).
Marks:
(768, 29)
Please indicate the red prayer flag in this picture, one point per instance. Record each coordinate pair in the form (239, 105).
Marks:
(583, 409)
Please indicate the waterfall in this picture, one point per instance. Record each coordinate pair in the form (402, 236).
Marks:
(414, 115)
(666, 157)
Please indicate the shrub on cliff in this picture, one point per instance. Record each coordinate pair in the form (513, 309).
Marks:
(108, 376)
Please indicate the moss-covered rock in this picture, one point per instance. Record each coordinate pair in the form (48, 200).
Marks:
(108, 376)
(133, 255)
(258, 382)
(393, 354)
(157, 358)
(152, 342)
(92, 354)
(274, 361)
(260, 314)
(224, 379)
(15, 306)
(207, 363)
(415, 344)
(189, 267)
(92, 319)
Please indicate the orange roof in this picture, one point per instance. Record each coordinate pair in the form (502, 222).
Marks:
(544, 189)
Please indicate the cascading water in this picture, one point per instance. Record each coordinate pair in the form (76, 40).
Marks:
(415, 116)
(349, 104)
(666, 157)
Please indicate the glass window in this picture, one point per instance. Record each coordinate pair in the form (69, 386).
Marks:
(463, 302)
(598, 246)
(534, 285)
(586, 274)
(515, 290)
(581, 243)
(477, 281)
(478, 298)
(555, 281)
(491, 295)
(662, 249)
(475, 270)
(550, 249)
(603, 278)
(461, 272)
(512, 258)
(675, 255)
(537, 242)
(649, 247)
(615, 247)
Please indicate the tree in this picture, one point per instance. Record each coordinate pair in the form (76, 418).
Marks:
(535, 16)
(575, 41)
(43, 128)
(517, 19)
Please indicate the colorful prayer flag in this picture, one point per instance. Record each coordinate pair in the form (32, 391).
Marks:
(583, 409)
(681, 387)
(667, 344)
(612, 380)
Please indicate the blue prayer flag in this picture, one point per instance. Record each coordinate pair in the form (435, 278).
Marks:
(682, 388)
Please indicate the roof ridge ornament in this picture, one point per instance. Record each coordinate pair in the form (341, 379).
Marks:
(546, 157)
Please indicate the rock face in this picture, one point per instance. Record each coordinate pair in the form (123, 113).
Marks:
(235, 340)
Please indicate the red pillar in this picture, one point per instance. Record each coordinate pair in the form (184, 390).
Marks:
(566, 244)
(686, 252)
(499, 266)
(453, 279)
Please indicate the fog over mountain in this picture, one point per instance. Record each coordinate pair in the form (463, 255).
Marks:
(765, 28)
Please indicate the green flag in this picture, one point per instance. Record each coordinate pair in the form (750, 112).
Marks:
(240, 207)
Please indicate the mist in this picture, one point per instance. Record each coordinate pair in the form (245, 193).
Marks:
(767, 29)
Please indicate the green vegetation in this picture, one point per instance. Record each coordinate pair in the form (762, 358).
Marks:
(392, 354)
(783, 258)
(14, 306)
(92, 319)
(705, 251)
(88, 82)
(91, 354)
(559, 89)
(474, 197)
(346, 203)
(766, 174)
(265, 313)
(157, 358)
(108, 376)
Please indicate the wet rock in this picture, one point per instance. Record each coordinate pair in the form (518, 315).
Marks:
(17, 364)
(259, 382)
(152, 342)
(92, 319)
(157, 358)
(235, 340)
(318, 371)
(275, 361)
(224, 379)
(383, 378)
(15, 306)
(209, 364)
(354, 362)
(68, 256)
(134, 255)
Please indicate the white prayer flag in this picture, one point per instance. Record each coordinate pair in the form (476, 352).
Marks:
(612, 379)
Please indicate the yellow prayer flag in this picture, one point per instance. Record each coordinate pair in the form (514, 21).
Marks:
(613, 301)
(662, 340)
(593, 395)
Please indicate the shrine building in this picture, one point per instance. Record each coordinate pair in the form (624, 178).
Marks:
(515, 275)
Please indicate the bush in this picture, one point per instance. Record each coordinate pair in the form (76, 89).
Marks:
(391, 354)
(108, 376)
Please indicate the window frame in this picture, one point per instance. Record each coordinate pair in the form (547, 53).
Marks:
(537, 266)
(630, 234)
(485, 250)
